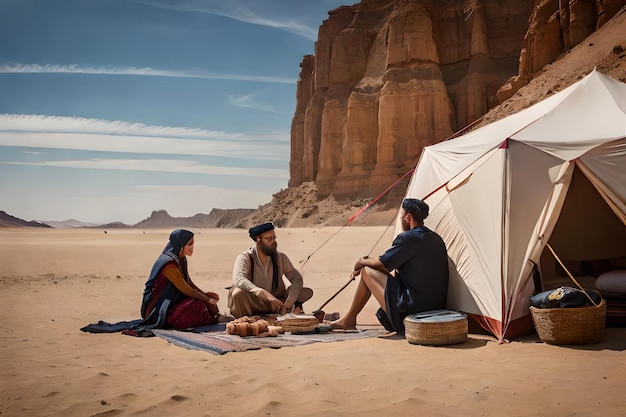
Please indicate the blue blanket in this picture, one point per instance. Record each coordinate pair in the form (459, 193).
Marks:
(220, 342)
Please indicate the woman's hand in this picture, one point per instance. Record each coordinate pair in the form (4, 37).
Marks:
(209, 297)
(212, 295)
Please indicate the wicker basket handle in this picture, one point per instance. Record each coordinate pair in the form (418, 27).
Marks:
(570, 275)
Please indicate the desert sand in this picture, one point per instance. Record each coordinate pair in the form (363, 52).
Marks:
(56, 281)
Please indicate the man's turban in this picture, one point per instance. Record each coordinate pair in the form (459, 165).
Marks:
(260, 229)
(417, 208)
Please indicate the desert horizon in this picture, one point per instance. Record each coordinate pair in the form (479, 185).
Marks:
(56, 281)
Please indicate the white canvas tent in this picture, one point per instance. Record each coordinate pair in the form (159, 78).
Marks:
(496, 195)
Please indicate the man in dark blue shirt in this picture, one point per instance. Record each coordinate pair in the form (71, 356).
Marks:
(419, 282)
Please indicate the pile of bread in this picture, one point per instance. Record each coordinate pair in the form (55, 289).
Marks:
(271, 325)
(253, 326)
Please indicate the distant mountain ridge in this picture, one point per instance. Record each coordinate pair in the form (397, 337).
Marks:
(68, 224)
(158, 219)
(6, 220)
(216, 218)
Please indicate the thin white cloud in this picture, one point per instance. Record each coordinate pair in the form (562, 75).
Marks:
(36, 131)
(17, 68)
(145, 145)
(161, 165)
(247, 101)
(63, 124)
(243, 12)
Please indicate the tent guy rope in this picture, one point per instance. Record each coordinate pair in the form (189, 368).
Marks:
(355, 216)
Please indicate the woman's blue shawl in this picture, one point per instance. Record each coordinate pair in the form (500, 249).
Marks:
(155, 319)
(170, 295)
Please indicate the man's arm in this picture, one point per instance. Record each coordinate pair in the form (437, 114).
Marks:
(241, 272)
(295, 279)
(373, 263)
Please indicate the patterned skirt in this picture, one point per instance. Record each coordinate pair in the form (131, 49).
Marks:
(191, 313)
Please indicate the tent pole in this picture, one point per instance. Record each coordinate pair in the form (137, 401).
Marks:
(569, 274)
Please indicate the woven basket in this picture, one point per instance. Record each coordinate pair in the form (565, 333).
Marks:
(436, 328)
(570, 326)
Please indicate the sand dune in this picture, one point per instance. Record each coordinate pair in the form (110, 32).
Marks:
(56, 281)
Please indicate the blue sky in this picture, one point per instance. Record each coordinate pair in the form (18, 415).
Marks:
(110, 109)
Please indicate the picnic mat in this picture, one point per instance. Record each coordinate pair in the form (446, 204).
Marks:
(219, 342)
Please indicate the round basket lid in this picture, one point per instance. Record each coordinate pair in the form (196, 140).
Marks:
(435, 316)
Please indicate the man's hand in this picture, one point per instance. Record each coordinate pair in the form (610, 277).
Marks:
(373, 263)
(286, 308)
(358, 266)
(276, 304)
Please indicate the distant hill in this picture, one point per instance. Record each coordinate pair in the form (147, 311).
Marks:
(113, 225)
(159, 219)
(67, 224)
(6, 220)
(216, 218)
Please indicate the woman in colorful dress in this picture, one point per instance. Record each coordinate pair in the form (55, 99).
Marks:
(170, 298)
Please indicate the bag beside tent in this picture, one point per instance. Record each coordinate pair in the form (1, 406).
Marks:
(555, 171)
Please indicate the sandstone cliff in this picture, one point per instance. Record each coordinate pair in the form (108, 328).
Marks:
(554, 28)
(391, 76)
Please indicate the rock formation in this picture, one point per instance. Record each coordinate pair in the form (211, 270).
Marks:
(555, 27)
(392, 76)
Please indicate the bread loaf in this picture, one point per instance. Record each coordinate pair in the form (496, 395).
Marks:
(246, 326)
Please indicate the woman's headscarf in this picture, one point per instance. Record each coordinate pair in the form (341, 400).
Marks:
(178, 239)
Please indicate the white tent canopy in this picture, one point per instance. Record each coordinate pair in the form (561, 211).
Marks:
(496, 193)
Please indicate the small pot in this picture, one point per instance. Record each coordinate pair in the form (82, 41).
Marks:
(319, 315)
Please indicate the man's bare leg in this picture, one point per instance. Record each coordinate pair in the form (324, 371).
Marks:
(372, 282)
(376, 282)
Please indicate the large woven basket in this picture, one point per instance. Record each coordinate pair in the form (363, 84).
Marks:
(570, 326)
(436, 328)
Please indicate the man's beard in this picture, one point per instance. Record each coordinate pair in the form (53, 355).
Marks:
(269, 250)
(405, 225)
